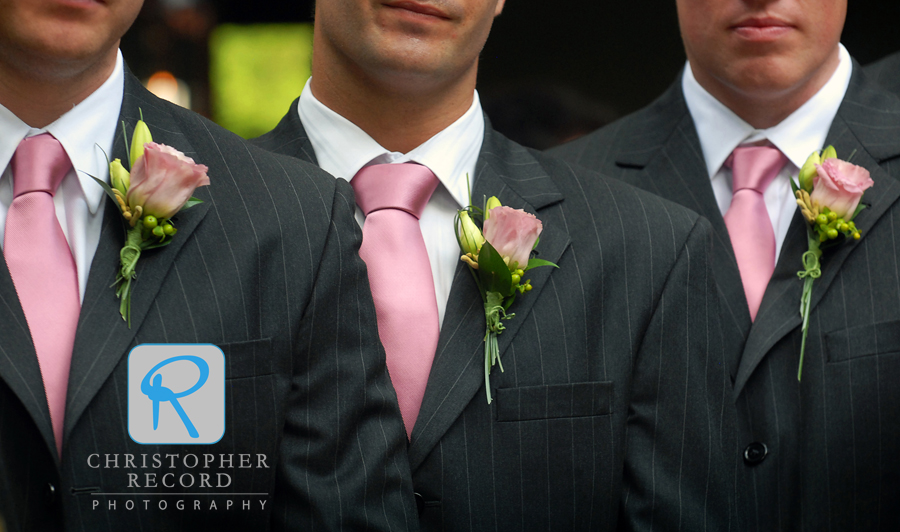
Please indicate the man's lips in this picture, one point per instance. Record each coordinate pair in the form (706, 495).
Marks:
(425, 10)
(761, 28)
(81, 4)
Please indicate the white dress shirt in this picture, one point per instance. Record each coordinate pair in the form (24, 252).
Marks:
(85, 132)
(342, 149)
(797, 136)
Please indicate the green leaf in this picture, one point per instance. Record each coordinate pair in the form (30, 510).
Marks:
(859, 209)
(537, 263)
(794, 186)
(493, 272)
(164, 243)
(107, 188)
(191, 202)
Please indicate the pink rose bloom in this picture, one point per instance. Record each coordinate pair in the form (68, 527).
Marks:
(513, 233)
(839, 186)
(163, 180)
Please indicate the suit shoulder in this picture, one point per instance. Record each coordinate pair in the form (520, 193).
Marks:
(588, 190)
(636, 134)
(596, 149)
(886, 72)
(212, 142)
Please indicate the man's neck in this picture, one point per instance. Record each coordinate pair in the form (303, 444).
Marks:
(399, 117)
(765, 109)
(38, 97)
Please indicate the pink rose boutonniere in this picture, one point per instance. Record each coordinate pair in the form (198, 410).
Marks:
(498, 258)
(828, 193)
(160, 184)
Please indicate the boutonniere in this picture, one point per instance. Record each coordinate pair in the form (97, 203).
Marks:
(828, 193)
(498, 258)
(160, 184)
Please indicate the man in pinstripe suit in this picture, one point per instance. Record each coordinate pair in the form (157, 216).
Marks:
(821, 453)
(613, 410)
(266, 268)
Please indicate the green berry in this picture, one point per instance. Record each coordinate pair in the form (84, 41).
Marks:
(169, 229)
(150, 221)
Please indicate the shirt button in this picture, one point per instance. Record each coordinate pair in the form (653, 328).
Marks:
(755, 453)
(51, 493)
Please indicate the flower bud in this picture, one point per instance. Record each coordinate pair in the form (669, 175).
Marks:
(492, 202)
(470, 236)
(140, 137)
(829, 153)
(808, 172)
(119, 176)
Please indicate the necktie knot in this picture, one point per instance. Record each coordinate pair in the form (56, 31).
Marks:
(754, 167)
(406, 187)
(39, 164)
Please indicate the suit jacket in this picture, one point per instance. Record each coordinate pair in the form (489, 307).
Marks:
(266, 268)
(886, 71)
(830, 455)
(611, 410)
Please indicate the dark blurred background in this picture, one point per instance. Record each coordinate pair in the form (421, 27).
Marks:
(548, 73)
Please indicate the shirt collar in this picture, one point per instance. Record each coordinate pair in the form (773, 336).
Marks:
(342, 148)
(802, 132)
(85, 132)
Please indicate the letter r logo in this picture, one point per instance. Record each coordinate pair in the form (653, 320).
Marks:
(176, 394)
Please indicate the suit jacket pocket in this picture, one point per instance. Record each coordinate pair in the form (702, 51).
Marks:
(867, 340)
(554, 401)
(248, 359)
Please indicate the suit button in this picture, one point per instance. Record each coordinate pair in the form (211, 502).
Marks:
(420, 503)
(51, 493)
(755, 453)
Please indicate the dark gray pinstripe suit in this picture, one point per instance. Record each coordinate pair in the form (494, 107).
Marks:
(611, 410)
(886, 71)
(267, 269)
(833, 439)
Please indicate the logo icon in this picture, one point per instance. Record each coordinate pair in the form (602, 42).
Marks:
(176, 394)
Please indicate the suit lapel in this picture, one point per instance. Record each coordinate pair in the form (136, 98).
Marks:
(509, 172)
(866, 127)
(19, 367)
(670, 164)
(289, 137)
(103, 337)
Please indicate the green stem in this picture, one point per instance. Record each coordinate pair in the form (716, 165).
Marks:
(489, 344)
(811, 271)
(128, 258)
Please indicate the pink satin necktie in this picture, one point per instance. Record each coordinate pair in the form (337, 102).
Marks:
(747, 219)
(392, 197)
(41, 265)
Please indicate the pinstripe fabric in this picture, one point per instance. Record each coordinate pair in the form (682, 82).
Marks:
(266, 269)
(611, 411)
(832, 441)
(886, 72)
